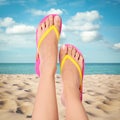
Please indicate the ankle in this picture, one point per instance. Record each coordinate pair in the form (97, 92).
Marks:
(71, 91)
(49, 74)
(46, 70)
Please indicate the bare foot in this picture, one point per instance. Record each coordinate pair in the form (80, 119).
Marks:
(70, 74)
(49, 46)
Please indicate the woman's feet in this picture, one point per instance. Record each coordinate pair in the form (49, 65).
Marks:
(46, 103)
(70, 74)
(49, 47)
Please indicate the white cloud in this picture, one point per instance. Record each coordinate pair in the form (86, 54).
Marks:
(5, 22)
(116, 46)
(88, 16)
(16, 41)
(84, 21)
(40, 12)
(20, 29)
(88, 36)
(15, 35)
(86, 24)
(64, 27)
(55, 11)
(82, 27)
(13, 27)
(63, 35)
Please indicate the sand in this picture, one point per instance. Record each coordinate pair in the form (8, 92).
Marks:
(101, 96)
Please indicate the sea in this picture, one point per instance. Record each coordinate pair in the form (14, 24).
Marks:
(90, 68)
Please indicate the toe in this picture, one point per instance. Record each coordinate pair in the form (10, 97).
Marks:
(80, 61)
(47, 23)
(40, 30)
(73, 52)
(40, 27)
(63, 52)
(43, 26)
(77, 56)
(51, 20)
(70, 50)
(57, 20)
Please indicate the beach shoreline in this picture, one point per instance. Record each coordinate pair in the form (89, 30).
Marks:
(101, 96)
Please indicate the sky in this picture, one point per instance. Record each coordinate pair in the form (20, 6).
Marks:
(91, 25)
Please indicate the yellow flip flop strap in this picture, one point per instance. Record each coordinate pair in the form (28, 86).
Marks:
(46, 33)
(75, 63)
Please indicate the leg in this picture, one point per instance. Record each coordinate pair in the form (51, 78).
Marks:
(71, 82)
(46, 104)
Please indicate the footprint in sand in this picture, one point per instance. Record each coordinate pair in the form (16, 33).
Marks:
(8, 92)
(91, 114)
(29, 90)
(88, 102)
(26, 83)
(25, 108)
(5, 83)
(10, 105)
(109, 106)
(2, 104)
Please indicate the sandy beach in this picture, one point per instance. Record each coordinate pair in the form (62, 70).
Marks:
(101, 96)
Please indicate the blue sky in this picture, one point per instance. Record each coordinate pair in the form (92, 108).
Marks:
(91, 25)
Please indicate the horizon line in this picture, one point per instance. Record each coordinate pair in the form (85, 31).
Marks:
(59, 63)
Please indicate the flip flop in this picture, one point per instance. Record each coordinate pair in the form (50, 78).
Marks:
(39, 40)
(81, 70)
